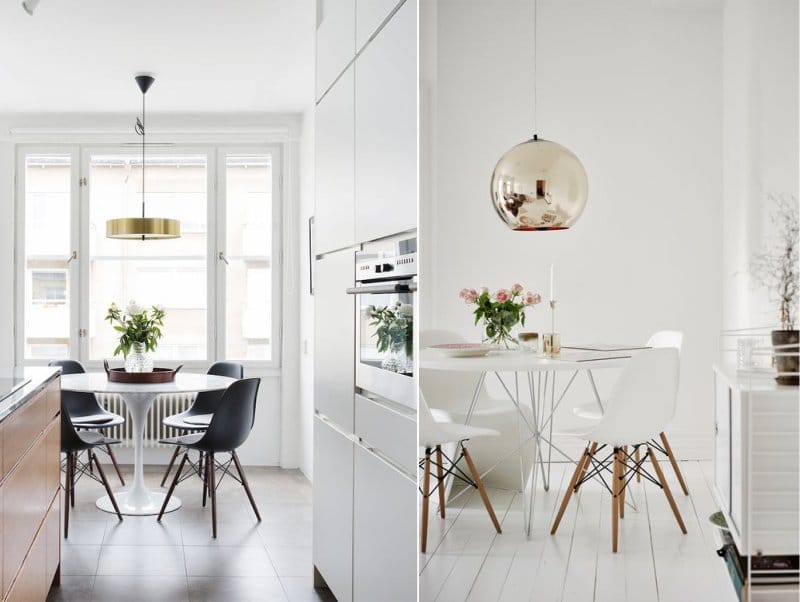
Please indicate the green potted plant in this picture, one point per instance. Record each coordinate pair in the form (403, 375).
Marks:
(140, 330)
(776, 268)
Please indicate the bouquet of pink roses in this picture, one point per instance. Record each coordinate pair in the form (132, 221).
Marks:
(500, 312)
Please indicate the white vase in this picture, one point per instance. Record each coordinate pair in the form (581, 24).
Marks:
(138, 359)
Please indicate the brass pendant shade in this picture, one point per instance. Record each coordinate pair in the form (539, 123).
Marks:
(143, 228)
(539, 185)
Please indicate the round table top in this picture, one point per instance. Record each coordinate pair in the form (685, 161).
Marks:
(97, 382)
(522, 361)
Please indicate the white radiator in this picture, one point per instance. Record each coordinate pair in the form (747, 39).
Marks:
(165, 405)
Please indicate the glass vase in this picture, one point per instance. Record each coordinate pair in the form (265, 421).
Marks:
(138, 359)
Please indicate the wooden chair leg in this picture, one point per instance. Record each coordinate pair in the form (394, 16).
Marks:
(171, 464)
(72, 479)
(114, 462)
(440, 479)
(623, 455)
(476, 476)
(636, 459)
(667, 491)
(426, 492)
(93, 457)
(173, 485)
(674, 462)
(212, 491)
(615, 494)
(203, 468)
(246, 484)
(582, 462)
(586, 466)
(68, 484)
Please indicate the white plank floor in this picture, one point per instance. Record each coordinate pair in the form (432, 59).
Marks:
(467, 560)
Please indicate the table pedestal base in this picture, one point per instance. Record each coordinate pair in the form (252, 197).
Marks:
(150, 507)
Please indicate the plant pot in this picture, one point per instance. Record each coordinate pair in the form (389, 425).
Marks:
(787, 363)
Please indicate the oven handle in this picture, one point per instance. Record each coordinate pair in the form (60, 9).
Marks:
(383, 289)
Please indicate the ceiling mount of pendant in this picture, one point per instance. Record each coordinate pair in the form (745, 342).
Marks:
(143, 228)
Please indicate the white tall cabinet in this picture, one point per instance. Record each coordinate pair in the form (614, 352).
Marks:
(365, 492)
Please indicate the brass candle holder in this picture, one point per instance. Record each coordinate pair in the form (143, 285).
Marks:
(551, 341)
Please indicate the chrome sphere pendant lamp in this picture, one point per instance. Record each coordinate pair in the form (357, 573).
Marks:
(539, 184)
(143, 228)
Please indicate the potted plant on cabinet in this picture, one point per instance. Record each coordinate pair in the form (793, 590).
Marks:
(776, 268)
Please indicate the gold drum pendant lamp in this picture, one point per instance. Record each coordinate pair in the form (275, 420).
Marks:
(539, 184)
(143, 228)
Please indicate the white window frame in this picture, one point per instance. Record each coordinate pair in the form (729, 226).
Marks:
(78, 276)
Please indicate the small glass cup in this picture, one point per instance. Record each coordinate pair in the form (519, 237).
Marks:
(529, 341)
(744, 353)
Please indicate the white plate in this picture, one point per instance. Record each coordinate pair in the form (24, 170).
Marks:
(462, 349)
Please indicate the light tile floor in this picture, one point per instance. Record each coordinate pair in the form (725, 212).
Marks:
(105, 560)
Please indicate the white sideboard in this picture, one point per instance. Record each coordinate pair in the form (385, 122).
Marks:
(757, 462)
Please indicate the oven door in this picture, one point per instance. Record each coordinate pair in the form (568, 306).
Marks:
(384, 339)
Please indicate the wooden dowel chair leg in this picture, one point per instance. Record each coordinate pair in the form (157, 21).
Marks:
(582, 462)
(173, 485)
(426, 491)
(114, 462)
(667, 491)
(67, 491)
(586, 466)
(623, 455)
(476, 476)
(615, 495)
(93, 457)
(674, 462)
(204, 475)
(171, 464)
(636, 459)
(440, 479)
(245, 484)
(212, 491)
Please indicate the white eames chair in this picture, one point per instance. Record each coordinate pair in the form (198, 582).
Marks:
(432, 435)
(627, 422)
(591, 411)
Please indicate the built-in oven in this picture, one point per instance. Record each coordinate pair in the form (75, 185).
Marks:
(385, 289)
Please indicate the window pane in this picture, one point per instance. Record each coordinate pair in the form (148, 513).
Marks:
(47, 247)
(248, 295)
(172, 273)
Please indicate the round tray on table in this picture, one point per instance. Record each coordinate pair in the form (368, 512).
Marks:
(158, 375)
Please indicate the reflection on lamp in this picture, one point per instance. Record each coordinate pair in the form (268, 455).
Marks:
(539, 185)
(30, 6)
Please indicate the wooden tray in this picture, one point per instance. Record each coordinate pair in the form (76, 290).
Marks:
(158, 375)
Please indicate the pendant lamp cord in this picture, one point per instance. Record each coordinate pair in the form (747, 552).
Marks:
(140, 130)
(535, 67)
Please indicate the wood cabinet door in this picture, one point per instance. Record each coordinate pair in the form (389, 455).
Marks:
(386, 129)
(333, 509)
(336, 40)
(334, 212)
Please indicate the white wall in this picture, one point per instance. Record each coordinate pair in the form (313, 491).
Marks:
(760, 142)
(275, 440)
(634, 89)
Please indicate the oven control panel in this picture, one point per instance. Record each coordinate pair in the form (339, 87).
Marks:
(400, 267)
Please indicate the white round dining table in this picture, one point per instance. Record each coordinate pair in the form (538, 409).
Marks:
(139, 398)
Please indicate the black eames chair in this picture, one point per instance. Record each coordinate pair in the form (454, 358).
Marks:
(86, 412)
(229, 429)
(198, 416)
(72, 444)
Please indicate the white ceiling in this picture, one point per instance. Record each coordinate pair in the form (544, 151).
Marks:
(208, 55)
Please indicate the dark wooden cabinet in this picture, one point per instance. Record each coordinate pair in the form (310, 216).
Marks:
(30, 505)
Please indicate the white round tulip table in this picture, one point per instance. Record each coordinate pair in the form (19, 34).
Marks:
(139, 500)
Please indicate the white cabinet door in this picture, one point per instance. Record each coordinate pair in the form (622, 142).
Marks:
(738, 438)
(722, 442)
(336, 40)
(334, 340)
(334, 226)
(369, 15)
(385, 532)
(333, 509)
(386, 129)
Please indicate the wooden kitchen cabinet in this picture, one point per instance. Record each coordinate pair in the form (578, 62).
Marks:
(30, 542)
(334, 213)
(336, 40)
(386, 129)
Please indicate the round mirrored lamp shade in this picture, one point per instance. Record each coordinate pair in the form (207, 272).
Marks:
(539, 185)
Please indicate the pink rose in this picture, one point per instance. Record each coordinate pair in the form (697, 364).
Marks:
(532, 298)
(469, 295)
(516, 289)
(501, 296)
